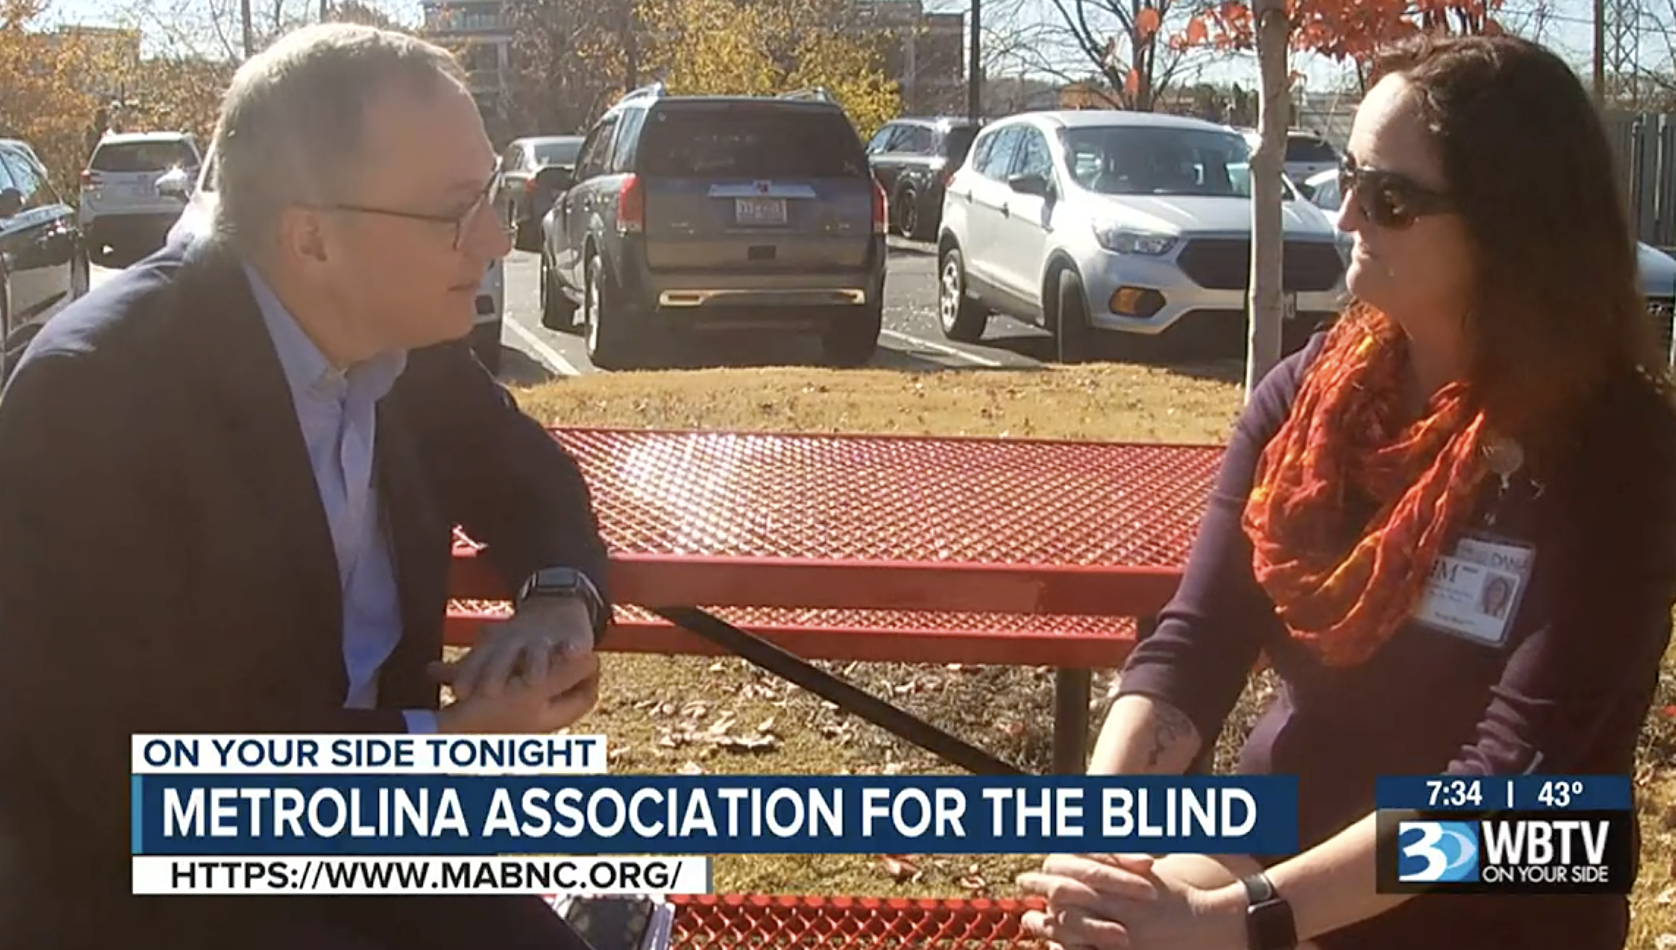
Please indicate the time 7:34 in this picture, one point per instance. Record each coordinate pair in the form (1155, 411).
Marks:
(1454, 793)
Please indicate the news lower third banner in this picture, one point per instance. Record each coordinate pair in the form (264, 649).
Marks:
(505, 814)
(1527, 834)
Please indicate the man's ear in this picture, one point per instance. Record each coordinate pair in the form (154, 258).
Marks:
(303, 236)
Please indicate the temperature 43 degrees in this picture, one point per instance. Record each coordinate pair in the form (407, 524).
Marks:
(1559, 793)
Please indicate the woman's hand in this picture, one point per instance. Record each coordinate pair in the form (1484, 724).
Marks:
(1134, 901)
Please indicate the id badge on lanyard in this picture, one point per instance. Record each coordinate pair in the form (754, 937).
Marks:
(1474, 590)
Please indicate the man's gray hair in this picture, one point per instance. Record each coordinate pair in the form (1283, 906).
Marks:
(293, 121)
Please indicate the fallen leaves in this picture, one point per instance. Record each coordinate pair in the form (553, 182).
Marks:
(717, 734)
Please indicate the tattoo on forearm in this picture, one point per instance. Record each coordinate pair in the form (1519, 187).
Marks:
(1170, 730)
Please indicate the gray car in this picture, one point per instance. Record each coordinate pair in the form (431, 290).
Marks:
(701, 213)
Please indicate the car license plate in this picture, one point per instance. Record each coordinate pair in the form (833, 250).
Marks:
(759, 211)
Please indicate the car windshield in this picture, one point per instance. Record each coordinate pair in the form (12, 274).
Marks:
(1141, 160)
(557, 153)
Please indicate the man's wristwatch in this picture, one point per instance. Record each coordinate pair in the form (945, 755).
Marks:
(566, 582)
(1268, 918)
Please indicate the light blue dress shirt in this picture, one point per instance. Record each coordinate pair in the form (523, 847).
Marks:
(337, 411)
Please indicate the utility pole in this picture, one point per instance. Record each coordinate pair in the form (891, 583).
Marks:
(1600, 54)
(325, 10)
(974, 71)
(249, 33)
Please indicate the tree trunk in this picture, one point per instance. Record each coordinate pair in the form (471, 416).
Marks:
(1267, 167)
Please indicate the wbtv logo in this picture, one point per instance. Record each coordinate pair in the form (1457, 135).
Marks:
(1437, 851)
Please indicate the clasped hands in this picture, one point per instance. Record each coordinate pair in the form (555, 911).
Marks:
(535, 672)
(1136, 901)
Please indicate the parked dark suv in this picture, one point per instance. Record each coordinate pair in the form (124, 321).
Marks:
(914, 159)
(43, 262)
(693, 213)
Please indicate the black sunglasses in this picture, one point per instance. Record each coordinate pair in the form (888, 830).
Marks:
(1389, 199)
(487, 200)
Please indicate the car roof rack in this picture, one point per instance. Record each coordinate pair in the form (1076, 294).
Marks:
(653, 91)
(815, 93)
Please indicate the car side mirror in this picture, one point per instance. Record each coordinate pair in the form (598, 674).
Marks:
(1037, 185)
(11, 202)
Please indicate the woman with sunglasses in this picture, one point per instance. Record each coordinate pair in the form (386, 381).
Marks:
(1493, 397)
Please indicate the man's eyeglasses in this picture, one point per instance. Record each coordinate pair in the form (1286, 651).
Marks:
(1389, 199)
(487, 201)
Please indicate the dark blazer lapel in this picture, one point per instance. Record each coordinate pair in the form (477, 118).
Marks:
(251, 416)
(417, 531)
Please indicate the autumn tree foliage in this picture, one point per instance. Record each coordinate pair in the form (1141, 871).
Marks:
(766, 47)
(1137, 58)
(568, 60)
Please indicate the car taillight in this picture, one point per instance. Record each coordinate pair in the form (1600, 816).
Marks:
(88, 179)
(631, 206)
(878, 208)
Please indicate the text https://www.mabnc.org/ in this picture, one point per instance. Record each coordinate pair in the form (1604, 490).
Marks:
(522, 874)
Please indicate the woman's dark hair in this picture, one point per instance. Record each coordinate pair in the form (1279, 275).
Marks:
(1529, 168)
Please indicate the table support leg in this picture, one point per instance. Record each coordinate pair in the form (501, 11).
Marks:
(1071, 696)
(797, 670)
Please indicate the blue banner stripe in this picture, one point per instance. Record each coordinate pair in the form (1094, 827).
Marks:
(713, 814)
(136, 817)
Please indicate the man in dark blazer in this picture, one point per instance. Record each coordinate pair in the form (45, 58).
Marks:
(227, 483)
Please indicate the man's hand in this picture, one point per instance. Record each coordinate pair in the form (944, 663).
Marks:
(1131, 901)
(524, 647)
(569, 689)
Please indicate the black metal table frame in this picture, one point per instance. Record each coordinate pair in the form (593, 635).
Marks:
(1072, 695)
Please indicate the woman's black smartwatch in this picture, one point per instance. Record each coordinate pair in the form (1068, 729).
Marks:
(566, 582)
(1268, 918)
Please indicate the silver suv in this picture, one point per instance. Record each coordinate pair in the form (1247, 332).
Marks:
(1120, 226)
(689, 214)
(121, 205)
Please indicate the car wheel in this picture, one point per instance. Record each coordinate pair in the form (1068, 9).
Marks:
(852, 336)
(907, 212)
(557, 312)
(962, 318)
(81, 274)
(1073, 334)
(606, 330)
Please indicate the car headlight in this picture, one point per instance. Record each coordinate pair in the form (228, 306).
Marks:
(1121, 240)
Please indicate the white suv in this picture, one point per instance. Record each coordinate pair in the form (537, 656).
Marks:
(198, 218)
(1107, 226)
(121, 205)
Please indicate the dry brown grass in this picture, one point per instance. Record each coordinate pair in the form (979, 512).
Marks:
(670, 714)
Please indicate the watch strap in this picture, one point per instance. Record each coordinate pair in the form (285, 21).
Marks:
(1268, 917)
(567, 582)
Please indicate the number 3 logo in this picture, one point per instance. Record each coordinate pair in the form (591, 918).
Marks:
(1426, 848)
(1438, 851)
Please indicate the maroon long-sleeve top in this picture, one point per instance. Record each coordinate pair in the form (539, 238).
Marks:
(1565, 692)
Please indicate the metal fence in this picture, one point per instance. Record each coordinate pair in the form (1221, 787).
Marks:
(1645, 143)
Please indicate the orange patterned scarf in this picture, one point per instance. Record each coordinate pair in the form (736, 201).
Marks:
(1347, 431)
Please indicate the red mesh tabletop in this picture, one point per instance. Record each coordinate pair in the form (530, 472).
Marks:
(730, 921)
(890, 522)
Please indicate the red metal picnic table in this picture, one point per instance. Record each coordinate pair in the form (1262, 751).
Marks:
(885, 547)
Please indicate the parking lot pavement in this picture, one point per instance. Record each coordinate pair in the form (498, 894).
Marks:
(911, 338)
